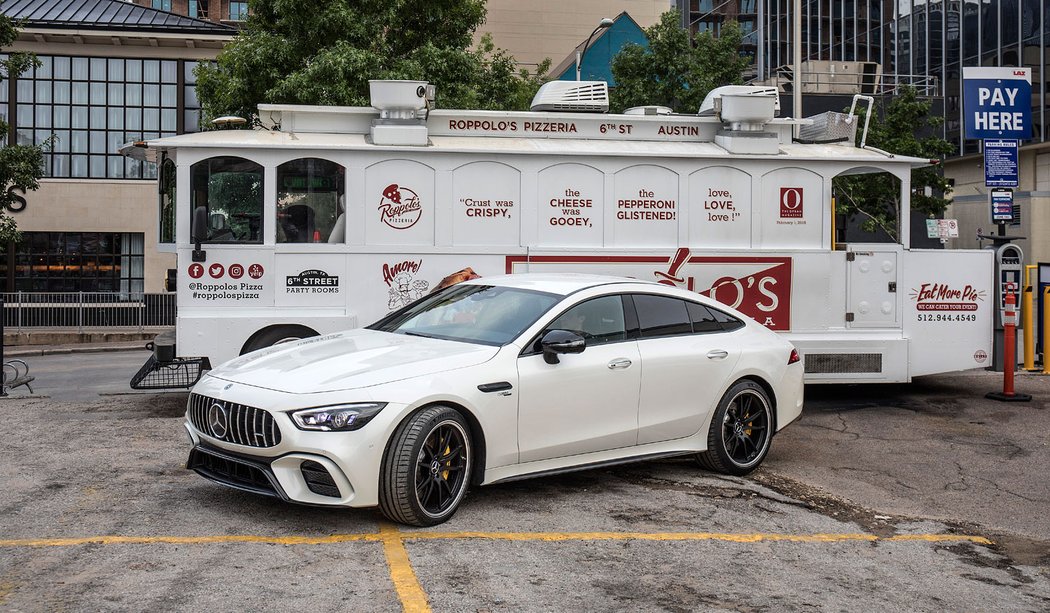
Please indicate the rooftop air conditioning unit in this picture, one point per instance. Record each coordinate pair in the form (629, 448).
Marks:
(572, 96)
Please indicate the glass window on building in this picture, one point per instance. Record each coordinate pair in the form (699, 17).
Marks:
(76, 262)
(88, 107)
(310, 202)
(230, 191)
(238, 11)
(164, 5)
(199, 9)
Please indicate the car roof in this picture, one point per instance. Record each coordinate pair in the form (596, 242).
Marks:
(554, 283)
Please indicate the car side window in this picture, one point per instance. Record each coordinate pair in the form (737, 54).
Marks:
(728, 322)
(661, 316)
(599, 320)
(703, 318)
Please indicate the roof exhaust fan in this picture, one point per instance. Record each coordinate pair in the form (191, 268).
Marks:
(403, 107)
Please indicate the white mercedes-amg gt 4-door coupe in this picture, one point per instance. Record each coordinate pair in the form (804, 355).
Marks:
(491, 380)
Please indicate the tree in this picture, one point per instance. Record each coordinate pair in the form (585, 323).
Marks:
(21, 166)
(327, 54)
(671, 71)
(902, 126)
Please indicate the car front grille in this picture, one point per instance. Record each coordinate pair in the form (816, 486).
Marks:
(234, 472)
(233, 423)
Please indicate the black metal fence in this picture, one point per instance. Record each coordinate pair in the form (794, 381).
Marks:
(80, 310)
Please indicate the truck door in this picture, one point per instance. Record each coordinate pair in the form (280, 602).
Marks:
(872, 289)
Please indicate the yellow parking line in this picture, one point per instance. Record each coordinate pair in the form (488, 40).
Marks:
(413, 598)
(389, 534)
(188, 540)
(937, 538)
(689, 536)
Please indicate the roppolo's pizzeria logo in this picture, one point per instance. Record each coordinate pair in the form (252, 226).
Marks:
(944, 297)
(399, 207)
(312, 282)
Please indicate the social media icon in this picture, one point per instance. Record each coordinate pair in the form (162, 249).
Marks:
(216, 270)
(255, 271)
(196, 270)
(236, 271)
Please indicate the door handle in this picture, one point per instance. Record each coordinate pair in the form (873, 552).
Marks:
(717, 354)
(619, 363)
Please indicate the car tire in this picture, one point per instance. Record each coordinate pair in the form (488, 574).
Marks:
(741, 430)
(426, 468)
(275, 336)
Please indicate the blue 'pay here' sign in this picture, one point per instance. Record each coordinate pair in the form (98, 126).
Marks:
(997, 102)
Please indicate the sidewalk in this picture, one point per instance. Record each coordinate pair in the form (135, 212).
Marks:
(58, 341)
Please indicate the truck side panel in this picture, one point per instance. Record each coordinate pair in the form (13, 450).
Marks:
(948, 309)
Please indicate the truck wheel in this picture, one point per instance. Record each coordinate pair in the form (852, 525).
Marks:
(426, 468)
(275, 336)
(741, 429)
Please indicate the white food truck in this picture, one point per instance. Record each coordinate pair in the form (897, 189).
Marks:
(329, 217)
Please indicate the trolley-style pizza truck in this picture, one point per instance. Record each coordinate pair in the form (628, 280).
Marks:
(329, 217)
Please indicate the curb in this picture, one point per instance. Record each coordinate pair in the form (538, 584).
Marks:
(14, 353)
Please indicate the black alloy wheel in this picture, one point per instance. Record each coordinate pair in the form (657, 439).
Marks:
(741, 429)
(440, 468)
(426, 468)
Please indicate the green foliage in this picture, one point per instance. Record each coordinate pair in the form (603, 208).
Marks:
(903, 126)
(326, 53)
(21, 166)
(674, 73)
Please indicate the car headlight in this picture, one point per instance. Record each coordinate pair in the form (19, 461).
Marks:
(337, 417)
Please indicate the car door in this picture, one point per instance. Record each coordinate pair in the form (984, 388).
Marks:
(588, 401)
(687, 358)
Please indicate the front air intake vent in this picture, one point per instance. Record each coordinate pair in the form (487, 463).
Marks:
(572, 96)
(834, 363)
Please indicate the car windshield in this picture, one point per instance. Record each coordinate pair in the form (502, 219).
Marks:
(485, 314)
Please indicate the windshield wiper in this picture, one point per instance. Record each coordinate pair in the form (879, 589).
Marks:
(407, 333)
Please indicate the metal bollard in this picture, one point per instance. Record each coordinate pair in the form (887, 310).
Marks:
(1045, 327)
(1028, 321)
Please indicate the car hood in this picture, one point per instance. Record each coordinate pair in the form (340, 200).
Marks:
(347, 360)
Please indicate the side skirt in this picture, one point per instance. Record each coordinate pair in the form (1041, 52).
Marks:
(593, 465)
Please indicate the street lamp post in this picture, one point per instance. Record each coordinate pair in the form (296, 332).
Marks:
(603, 24)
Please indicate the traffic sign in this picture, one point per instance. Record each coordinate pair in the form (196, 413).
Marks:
(942, 228)
(998, 102)
(1000, 163)
(1002, 205)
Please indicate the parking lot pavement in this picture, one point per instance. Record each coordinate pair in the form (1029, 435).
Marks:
(99, 514)
(932, 448)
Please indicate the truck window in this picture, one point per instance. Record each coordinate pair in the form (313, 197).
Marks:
(167, 201)
(310, 202)
(231, 191)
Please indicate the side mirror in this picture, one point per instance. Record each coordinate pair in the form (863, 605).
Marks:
(199, 233)
(561, 341)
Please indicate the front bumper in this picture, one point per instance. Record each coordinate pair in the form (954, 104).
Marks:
(332, 469)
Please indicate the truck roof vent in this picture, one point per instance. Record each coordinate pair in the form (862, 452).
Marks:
(572, 96)
(651, 109)
(707, 108)
(403, 108)
(400, 99)
(744, 112)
